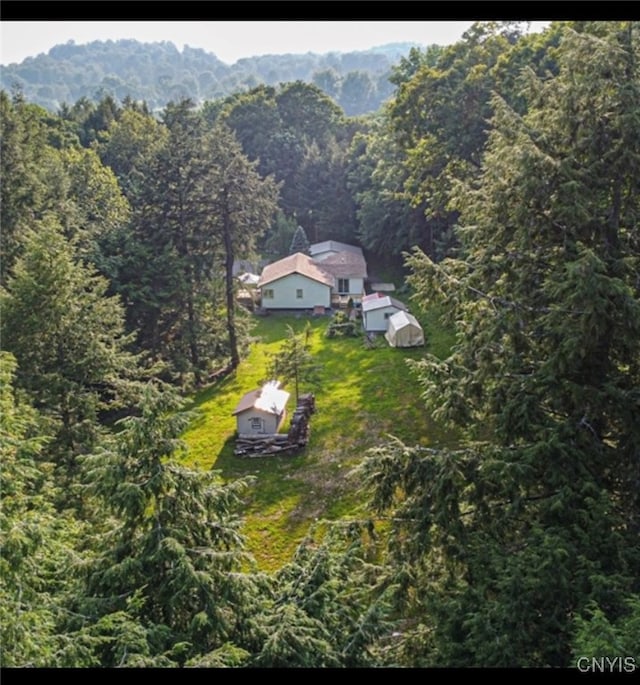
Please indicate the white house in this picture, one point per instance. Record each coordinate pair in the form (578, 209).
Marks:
(295, 282)
(262, 411)
(349, 271)
(404, 330)
(376, 310)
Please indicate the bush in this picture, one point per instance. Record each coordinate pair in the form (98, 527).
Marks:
(341, 326)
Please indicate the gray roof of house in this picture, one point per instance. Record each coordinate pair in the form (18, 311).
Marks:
(345, 265)
(333, 246)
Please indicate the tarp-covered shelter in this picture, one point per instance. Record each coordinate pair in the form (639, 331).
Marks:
(403, 330)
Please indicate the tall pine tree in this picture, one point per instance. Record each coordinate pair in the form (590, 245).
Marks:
(68, 338)
(171, 567)
(242, 205)
(36, 541)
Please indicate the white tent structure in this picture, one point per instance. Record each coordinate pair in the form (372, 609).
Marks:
(404, 330)
(249, 279)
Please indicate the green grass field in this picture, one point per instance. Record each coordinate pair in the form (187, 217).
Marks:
(363, 396)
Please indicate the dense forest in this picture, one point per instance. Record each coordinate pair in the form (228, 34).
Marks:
(158, 73)
(503, 172)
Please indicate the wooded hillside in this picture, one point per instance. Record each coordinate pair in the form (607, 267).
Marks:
(159, 72)
(494, 519)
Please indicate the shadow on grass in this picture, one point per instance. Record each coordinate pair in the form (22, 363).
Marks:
(275, 475)
(210, 391)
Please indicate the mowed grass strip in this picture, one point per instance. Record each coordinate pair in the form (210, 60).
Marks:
(363, 395)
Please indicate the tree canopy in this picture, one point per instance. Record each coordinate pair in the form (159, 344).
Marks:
(159, 72)
(530, 520)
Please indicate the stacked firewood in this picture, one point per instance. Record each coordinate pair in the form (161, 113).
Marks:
(299, 430)
(279, 443)
(262, 445)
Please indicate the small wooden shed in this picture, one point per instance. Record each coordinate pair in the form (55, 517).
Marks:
(262, 411)
(376, 311)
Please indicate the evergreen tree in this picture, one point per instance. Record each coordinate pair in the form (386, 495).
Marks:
(299, 242)
(243, 205)
(169, 572)
(201, 205)
(168, 277)
(36, 542)
(294, 361)
(276, 242)
(326, 608)
(534, 516)
(32, 180)
(92, 119)
(596, 635)
(68, 338)
(324, 200)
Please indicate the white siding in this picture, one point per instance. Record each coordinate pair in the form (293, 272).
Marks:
(356, 292)
(375, 320)
(356, 288)
(285, 289)
(269, 423)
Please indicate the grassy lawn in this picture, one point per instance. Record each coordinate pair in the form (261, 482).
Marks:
(363, 396)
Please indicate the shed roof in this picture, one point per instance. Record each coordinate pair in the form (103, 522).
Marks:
(387, 287)
(370, 303)
(297, 263)
(271, 398)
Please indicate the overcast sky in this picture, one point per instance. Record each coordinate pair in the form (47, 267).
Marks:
(230, 40)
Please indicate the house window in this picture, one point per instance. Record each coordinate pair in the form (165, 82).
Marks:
(387, 315)
(267, 293)
(256, 424)
(343, 285)
(299, 293)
